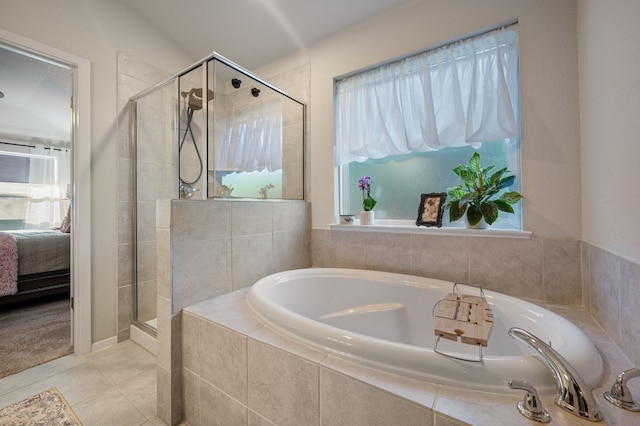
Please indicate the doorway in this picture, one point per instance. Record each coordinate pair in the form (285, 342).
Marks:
(78, 189)
(35, 208)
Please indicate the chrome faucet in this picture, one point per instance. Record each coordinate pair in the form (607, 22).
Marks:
(620, 395)
(573, 394)
(530, 406)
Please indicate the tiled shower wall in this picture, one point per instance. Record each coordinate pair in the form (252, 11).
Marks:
(134, 76)
(555, 272)
(239, 104)
(213, 247)
(217, 247)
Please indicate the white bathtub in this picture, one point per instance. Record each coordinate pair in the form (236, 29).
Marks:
(385, 321)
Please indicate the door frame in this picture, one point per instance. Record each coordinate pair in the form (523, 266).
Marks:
(81, 183)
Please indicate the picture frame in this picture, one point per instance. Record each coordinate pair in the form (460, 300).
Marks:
(431, 209)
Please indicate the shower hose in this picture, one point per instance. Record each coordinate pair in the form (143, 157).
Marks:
(195, 145)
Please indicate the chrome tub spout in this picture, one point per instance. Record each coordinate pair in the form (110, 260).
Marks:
(573, 394)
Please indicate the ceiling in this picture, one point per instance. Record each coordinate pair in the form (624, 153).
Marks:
(254, 32)
(36, 104)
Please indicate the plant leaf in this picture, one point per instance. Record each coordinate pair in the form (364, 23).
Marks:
(489, 212)
(455, 193)
(456, 210)
(503, 206)
(368, 204)
(486, 170)
(468, 177)
(459, 169)
(511, 197)
(506, 182)
(473, 215)
(474, 163)
(494, 180)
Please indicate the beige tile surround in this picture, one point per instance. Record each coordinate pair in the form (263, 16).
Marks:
(531, 268)
(256, 376)
(238, 370)
(215, 247)
(544, 270)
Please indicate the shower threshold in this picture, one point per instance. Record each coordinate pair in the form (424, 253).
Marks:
(143, 338)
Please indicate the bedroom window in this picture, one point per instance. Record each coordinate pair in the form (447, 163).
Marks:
(33, 187)
(408, 123)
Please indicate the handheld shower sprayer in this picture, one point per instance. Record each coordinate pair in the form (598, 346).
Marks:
(194, 99)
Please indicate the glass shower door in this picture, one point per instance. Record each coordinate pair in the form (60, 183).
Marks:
(155, 183)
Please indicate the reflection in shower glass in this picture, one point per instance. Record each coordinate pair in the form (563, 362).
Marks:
(192, 133)
(258, 149)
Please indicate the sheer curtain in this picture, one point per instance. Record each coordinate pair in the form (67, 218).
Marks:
(461, 94)
(49, 179)
(252, 139)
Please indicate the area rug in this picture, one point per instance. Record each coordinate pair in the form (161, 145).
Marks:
(46, 408)
(34, 333)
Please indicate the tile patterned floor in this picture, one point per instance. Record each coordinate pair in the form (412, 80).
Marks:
(114, 386)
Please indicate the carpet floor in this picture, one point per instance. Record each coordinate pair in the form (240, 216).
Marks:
(32, 333)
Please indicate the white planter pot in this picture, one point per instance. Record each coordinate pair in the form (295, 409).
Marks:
(367, 217)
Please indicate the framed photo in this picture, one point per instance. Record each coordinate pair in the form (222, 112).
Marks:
(431, 209)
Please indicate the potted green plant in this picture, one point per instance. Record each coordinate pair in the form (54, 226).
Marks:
(478, 194)
(368, 202)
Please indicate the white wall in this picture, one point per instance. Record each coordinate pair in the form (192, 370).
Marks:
(549, 92)
(96, 30)
(608, 39)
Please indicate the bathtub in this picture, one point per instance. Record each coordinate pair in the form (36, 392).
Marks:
(385, 321)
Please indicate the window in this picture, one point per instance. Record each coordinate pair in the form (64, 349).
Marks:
(408, 123)
(33, 187)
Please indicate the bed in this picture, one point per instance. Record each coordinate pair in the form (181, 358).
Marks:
(43, 263)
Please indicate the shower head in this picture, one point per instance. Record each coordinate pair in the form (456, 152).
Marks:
(236, 82)
(195, 98)
(255, 92)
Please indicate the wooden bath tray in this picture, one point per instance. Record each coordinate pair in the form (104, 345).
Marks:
(463, 316)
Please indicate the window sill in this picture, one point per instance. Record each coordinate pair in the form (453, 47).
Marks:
(406, 227)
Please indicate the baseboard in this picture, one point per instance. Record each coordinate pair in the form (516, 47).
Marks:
(103, 344)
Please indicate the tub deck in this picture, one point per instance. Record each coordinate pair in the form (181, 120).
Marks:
(401, 397)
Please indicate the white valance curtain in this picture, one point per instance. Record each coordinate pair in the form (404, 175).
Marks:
(49, 179)
(252, 139)
(461, 94)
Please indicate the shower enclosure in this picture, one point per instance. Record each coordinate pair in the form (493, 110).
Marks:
(214, 130)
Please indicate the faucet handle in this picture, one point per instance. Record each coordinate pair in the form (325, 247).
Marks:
(530, 406)
(620, 395)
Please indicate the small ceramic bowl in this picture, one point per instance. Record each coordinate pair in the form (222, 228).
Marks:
(347, 219)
